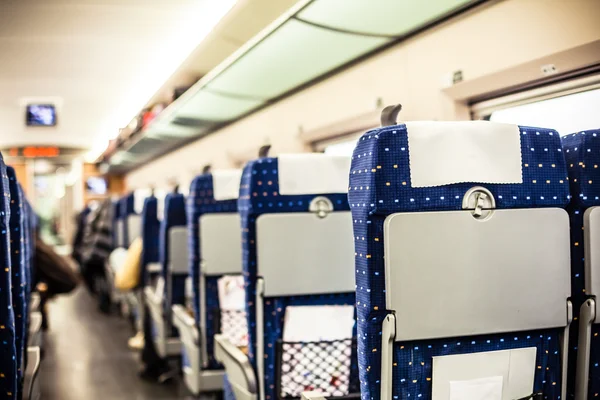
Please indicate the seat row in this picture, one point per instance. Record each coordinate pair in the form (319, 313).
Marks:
(467, 250)
(20, 322)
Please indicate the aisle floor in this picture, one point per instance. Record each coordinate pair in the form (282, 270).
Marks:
(86, 356)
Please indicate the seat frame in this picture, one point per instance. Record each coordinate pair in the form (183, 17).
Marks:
(588, 315)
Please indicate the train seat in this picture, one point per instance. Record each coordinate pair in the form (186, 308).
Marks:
(582, 153)
(32, 329)
(170, 288)
(462, 260)
(296, 252)
(117, 232)
(34, 336)
(8, 351)
(128, 228)
(215, 249)
(150, 226)
(19, 275)
(132, 229)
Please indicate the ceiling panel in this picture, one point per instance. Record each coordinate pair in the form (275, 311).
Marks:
(383, 17)
(209, 106)
(319, 38)
(292, 55)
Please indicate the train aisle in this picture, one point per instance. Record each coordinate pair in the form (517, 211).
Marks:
(86, 356)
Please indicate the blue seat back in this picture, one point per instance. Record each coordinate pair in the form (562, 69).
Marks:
(18, 259)
(380, 185)
(150, 231)
(582, 154)
(117, 232)
(174, 217)
(29, 221)
(8, 350)
(201, 201)
(260, 195)
(127, 209)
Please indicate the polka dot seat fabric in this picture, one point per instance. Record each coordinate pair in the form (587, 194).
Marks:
(201, 201)
(18, 269)
(150, 228)
(8, 350)
(29, 229)
(175, 217)
(582, 153)
(261, 197)
(381, 185)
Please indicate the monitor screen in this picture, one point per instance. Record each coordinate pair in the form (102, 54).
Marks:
(41, 115)
(96, 185)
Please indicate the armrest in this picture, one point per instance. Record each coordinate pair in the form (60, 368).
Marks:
(185, 322)
(30, 391)
(312, 396)
(154, 268)
(154, 303)
(35, 328)
(240, 373)
(151, 297)
(35, 302)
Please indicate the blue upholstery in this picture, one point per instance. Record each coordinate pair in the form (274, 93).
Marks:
(8, 353)
(174, 216)
(150, 229)
(19, 278)
(227, 390)
(31, 223)
(116, 215)
(28, 255)
(201, 201)
(259, 194)
(127, 208)
(582, 154)
(380, 185)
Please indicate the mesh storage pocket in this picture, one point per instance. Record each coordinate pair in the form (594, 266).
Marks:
(234, 326)
(307, 366)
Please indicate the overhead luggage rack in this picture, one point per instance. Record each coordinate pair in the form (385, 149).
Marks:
(313, 40)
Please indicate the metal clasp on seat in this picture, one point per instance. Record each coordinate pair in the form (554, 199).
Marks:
(480, 200)
(321, 206)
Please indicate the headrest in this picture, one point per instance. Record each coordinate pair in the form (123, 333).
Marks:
(127, 204)
(139, 199)
(150, 228)
(290, 178)
(218, 185)
(443, 153)
(313, 173)
(582, 152)
(5, 205)
(174, 210)
(150, 209)
(226, 184)
(430, 166)
(214, 192)
(15, 193)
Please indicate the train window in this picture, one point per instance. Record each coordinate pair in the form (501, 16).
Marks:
(567, 111)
